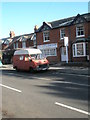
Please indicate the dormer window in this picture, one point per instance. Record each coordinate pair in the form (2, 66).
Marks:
(16, 44)
(62, 33)
(46, 36)
(80, 31)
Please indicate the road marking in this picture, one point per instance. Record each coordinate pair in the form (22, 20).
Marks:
(51, 79)
(75, 74)
(11, 88)
(86, 85)
(72, 108)
(72, 74)
(54, 73)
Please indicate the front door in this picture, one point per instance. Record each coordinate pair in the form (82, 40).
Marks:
(63, 53)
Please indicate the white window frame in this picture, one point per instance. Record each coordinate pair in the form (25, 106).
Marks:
(44, 36)
(84, 50)
(62, 33)
(77, 29)
(23, 44)
(48, 52)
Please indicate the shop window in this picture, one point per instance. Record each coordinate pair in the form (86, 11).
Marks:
(49, 52)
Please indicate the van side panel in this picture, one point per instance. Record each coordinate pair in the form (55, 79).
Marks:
(23, 63)
(17, 63)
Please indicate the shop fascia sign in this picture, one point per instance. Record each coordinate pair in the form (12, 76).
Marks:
(53, 45)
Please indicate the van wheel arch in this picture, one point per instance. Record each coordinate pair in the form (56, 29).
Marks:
(16, 69)
(31, 69)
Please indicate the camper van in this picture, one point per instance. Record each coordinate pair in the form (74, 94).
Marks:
(30, 59)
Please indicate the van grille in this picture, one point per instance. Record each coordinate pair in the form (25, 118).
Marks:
(43, 66)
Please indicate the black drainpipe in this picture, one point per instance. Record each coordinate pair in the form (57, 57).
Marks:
(70, 44)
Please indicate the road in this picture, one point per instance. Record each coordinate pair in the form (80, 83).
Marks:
(48, 94)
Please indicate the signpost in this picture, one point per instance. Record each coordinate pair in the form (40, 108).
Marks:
(66, 45)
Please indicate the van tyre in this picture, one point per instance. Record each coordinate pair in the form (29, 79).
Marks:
(17, 69)
(31, 70)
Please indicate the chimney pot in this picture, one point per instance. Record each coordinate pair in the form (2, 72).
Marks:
(12, 34)
(35, 28)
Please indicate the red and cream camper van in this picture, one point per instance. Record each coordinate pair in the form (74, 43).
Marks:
(29, 59)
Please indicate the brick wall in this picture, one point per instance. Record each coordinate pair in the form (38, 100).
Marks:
(70, 32)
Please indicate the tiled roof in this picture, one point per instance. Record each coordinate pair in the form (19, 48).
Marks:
(16, 38)
(58, 23)
(68, 21)
(27, 36)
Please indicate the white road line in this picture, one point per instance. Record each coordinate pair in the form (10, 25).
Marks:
(72, 74)
(11, 88)
(72, 108)
(75, 74)
(86, 85)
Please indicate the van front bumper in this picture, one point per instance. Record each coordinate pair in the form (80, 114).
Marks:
(42, 67)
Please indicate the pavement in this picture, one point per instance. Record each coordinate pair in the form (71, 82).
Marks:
(58, 68)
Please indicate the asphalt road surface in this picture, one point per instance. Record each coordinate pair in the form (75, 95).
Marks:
(48, 94)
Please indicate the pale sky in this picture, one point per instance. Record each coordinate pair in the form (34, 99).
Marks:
(21, 17)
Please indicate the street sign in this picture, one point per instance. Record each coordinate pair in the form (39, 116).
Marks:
(66, 45)
(65, 41)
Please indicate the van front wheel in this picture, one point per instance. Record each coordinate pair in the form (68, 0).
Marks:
(31, 70)
(17, 69)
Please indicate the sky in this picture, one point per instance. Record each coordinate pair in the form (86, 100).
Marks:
(21, 17)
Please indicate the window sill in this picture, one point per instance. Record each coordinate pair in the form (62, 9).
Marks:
(80, 36)
(79, 56)
(47, 41)
(61, 38)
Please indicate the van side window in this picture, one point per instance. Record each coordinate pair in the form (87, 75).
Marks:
(26, 57)
(21, 57)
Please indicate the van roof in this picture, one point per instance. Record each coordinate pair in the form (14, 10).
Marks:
(29, 51)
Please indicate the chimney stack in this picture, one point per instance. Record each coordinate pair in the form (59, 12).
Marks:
(12, 34)
(35, 28)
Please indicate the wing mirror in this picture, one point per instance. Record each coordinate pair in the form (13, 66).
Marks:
(30, 59)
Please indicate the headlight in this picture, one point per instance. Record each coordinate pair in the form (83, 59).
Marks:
(38, 66)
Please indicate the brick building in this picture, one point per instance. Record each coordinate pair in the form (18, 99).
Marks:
(13, 43)
(21, 41)
(50, 39)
